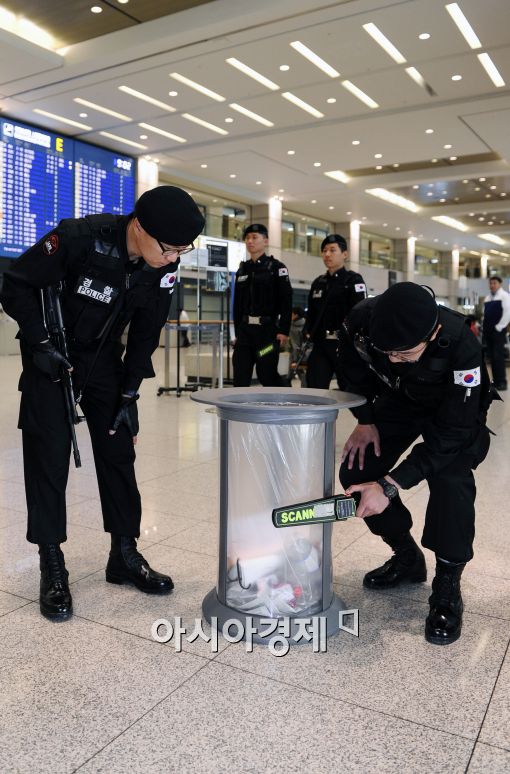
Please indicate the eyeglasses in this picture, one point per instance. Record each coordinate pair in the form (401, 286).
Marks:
(174, 250)
(405, 357)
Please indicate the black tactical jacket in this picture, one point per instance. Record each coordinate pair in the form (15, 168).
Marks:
(331, 298)
(263, 289)
(89, 256)
(448, 389)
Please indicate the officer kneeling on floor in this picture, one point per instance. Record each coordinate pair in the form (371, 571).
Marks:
(114, 270)
(422, 372)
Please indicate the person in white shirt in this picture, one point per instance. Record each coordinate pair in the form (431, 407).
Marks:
(495, 320)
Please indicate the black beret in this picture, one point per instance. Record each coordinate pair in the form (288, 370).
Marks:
(402, 317)
(169, 215)
(256, 228)
(334, 238)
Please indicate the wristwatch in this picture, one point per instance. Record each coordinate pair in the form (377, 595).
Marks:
(390, 490)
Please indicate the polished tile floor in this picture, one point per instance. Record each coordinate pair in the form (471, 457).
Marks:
(98, 694)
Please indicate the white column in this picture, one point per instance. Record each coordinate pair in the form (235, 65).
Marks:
(484, 260)
(354, 245)
(147, 176)
(411, 254)
(454, 278)
(275, 226)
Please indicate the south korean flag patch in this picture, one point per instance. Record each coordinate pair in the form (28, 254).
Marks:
(467, 379)
(168, 281)
(283, 272)
(360, 287)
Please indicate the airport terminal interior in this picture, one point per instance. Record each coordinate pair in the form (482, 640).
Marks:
(385, 121)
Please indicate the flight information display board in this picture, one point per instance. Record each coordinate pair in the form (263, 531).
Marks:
(45, 177)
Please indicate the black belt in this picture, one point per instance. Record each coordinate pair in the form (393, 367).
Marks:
(255, 320)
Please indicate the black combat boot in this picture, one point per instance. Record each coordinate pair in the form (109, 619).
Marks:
(55, 598)
(444, 622)
(406, 564)
(127, 564)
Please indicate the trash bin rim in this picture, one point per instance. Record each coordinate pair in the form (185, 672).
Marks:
(314, 400)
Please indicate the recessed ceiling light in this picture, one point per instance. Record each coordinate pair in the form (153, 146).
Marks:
(396, 166)
(61, 118)
(384, 42)
(503, 194)
(233, 175)
(314, 201)
(482, 179)
(429, 131)
(162, 132)
(377, 155)
(281, 190)
(349, 212)
(173, 93)
(447, 147)
(197, 87)
(355, 142)
(490, 223)
(463, 25)
(331, 100)
(204, 166)
(493, 187)
(456, 199)
(379, 166)
(502, 222)
(424, 35)
(471, 214)
(205, 124)
(360, 94)
(314, 58)
(434, 161)
(229, 120)
(291, 153)
(385, 225)
(465, 181)
(284, 68)
(481, 218)
(250, 114)
(456, 77)
(488, 196)
(436, 240)
(252, 73)
(453, 158)
(431, 185)
(259, 182)
(123, 140)
(146, 98)
(331, 207)
(430, 193)
(302, 104)
(84, 115)
(416, 187)
(442, 200)
(102, 109)
(143, 136)
(447, 221)
(317, 163)
(364, 217)
(397, 228)
(477, 189)
(96, 9)
(491, 70)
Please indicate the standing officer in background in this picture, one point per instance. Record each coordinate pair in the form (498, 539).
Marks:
(330, 300)
(422, 373)
(496, 316)
(262, 311)
(114, 270)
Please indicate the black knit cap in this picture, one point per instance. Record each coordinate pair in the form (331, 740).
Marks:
(403, 316)
(334, 239)
(169, 215)
(256, 228)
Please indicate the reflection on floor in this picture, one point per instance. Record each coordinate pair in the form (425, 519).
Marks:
(98, 694)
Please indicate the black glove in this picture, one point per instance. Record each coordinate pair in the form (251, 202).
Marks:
(49, 360)
(127, 414)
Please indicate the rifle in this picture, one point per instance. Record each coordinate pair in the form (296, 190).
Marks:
(303, 352)
(54, 324)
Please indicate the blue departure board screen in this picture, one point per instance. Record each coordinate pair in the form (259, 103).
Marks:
(45, 177)
(104, 181)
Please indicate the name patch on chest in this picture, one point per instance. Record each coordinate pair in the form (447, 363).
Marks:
(96, 289)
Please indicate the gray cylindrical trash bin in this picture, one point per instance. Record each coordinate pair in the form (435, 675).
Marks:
(276, 448)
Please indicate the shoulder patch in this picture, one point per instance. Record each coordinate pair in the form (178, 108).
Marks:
(51, 244)
(360, 287)
(168, 280)
(283, 272)
(471, 378)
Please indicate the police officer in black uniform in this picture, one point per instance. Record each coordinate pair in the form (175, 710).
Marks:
(114, 270)
(330, 300)
(422, 373)
(262, 312)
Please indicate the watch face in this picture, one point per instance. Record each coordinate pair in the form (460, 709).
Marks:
(390, 490)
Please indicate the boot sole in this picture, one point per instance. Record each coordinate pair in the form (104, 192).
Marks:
(56, 617)
(440, 640)
(382, 587)
(119, 581)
